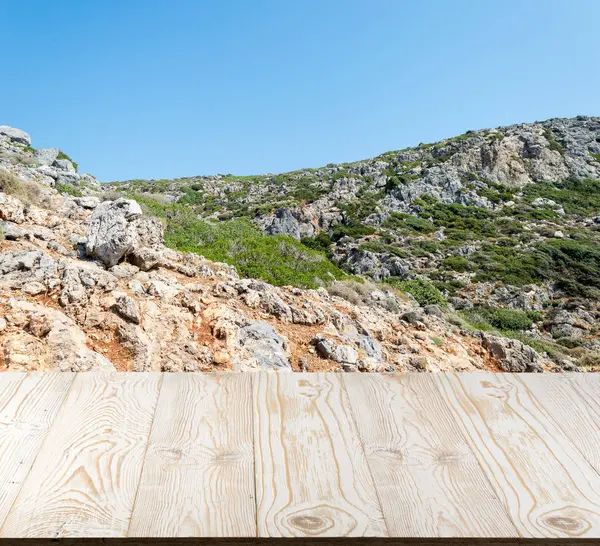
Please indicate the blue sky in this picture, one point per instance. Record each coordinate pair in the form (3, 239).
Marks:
(152, 89)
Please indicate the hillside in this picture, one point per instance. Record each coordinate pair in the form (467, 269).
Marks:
(476, 252)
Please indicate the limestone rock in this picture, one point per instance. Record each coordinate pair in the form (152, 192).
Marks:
(64, 165)
(117, 230)
(262, 348)
(512, 355)
(126, 308)
(46, 156)
(16, 135)
(11, 209)
(88, 202)
(284, 223)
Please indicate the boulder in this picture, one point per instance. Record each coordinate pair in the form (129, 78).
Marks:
(512, 355)
(16, 135)
(46, 156)
(344, 354)
(284, 223)
(13, 232)
(11, 209)
(117, 230)
(88, 202)
(261, 348)
(146, 258)
(64, 165)
(126, 308)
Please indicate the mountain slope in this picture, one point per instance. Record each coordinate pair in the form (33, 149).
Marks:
(504, 217)
(484, 248)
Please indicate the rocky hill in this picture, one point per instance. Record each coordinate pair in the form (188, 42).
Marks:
(477, 252)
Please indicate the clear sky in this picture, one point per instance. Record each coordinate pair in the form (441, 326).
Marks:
(155, 88)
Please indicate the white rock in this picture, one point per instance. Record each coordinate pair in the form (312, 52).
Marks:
(16, 135)
(64, 165)
(46, 156)
(116, 230)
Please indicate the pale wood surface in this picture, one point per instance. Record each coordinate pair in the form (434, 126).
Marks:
(314, 456)
(573, 403)
(547, 486)
(85, 477)
(198, 477)
(312, 477)
(429, 482)
(28, 405)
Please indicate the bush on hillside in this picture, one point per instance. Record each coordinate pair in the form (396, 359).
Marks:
(493, 318)
(423, 290)
(276, 259)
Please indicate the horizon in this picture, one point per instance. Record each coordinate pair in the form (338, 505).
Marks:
(146, 91)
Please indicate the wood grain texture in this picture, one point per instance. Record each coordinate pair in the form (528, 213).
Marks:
(198, 478)
(428, 480)
(312, 477)
(84, 479)
(547, 486)
(28, 405)
(573, 404)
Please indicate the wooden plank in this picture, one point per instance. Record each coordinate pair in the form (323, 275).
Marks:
(198, 478)
(28, 405)
(547, 486)
(573, 404)
(312, 478)
(84, 479)
(587, 386)
(428, 480)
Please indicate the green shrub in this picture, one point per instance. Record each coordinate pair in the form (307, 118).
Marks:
(596, 157)
(320, 242)
(573, 264)
(276, 259)
(408, 223)
(490, 318)
(382, 248)
(191, 197)
(576, 196)
(68, 189)
(423, 290)
(457, 263)
(553, 144)
(353, 229)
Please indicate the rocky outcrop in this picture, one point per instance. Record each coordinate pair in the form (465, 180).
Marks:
(46, 156)
(284, 223)
(512, 355)
(48, 341)
(117, 229)
(15, 135)
(86, 282)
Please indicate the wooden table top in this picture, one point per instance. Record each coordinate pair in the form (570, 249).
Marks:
(267, 455)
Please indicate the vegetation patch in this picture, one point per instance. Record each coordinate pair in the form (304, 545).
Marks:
(408, 223)
(494, 318)
(68, 189)
(423, 290)
(29, 193)
(576, 196)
